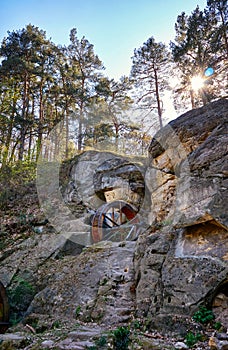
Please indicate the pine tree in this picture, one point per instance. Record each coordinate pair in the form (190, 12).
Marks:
(26, 60)
(195, 51)
(85, 66)
(150, 71)
(219, 9)
(114, 102)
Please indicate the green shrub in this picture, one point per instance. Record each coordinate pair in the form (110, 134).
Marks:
(136, 324)
(20, 295)
(19, 172)
(191, 338)
(121, 338)
(102, 341)
(217, 326)
(22, 289)
(203, 315)
(14, 180)
(77, 311)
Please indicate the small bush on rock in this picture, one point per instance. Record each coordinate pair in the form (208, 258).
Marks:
(191, 338)
(121, 338)
(203, 315)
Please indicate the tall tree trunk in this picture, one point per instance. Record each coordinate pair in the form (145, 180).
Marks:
(158, 99)
(81, 113)
(204, 97)
(192, 98)
(80, 129)
(7, 142)
(67, 132)
(224, 31)
(24, 118)
(116, 137)
(12, 155)
(40, 123)
(31, 134)
(22, 142)
(9, 134)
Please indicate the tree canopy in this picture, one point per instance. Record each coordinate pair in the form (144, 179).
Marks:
(43, 85)
(200, 47)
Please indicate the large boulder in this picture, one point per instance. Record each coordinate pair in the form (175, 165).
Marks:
(99, 177)
(119, 178)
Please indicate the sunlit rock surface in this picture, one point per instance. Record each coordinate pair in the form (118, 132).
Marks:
(187, 173)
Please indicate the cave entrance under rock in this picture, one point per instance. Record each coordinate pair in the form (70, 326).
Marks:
(4, 309)
(114, 221)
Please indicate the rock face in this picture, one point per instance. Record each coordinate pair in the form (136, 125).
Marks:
(117, 178)
(178, 269)
(94, 286)
(177, 264)
(187, 173)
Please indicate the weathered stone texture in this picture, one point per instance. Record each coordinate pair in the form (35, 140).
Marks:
(97, 177)
(192, 150)
(189, 189)
(96, 283)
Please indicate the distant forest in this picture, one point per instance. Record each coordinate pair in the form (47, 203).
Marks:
(43, 87)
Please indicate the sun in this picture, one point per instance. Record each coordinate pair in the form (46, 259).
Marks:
(197, 82)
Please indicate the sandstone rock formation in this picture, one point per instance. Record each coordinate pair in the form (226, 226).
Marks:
(98, 177)
(186, 266)
(188, 166)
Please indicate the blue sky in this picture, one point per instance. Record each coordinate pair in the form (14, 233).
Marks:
(115, 28)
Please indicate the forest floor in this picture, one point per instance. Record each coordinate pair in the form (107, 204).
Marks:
(63, 335)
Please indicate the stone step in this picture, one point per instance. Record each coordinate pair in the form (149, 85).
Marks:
(67, 344)
(85, 334)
